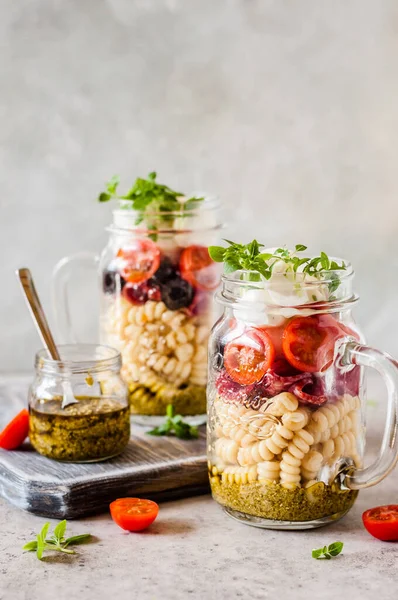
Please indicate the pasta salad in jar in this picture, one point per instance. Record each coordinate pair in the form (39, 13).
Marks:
(286, 389)
(157, 285)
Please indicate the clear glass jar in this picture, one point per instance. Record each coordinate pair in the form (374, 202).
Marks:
(79, 410)
(286, 398)
(156, 287)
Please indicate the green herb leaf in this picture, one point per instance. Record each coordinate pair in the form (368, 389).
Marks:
(335, 548)
(57, 542)
(104, 197)
(112, 185)
(41, 540)
(217, 253)
(60, 529)
(30, 546)
(249, 257)
(174, 424)
(327, 552)
(77, 539)
(151, 199)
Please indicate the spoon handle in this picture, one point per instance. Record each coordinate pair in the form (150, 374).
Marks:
(32, 298)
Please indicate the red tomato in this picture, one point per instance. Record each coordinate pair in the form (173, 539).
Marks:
(248, 357)
(382, 522)
(134, 514)
(139, 261)
(15, 432)
(308, 342)
(198, 268)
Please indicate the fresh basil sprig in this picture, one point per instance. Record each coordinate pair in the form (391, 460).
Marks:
(249, 257)
(174, 424)
(328, 552)
(146, 193)
(57, 542)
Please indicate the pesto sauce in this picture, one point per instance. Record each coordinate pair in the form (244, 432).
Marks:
(90, 430)
(190, 400)
(272, 501)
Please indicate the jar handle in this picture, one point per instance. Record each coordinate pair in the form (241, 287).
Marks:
(352, 353)
(62, 275)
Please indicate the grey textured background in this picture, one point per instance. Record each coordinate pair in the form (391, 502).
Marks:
(286, 109)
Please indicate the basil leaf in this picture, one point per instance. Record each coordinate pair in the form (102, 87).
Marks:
(335, 548)
(30, 546)
(77, 539)
(104, 197)
(217, 253)
(59, 530)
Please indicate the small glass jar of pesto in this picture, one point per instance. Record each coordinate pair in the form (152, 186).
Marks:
(79, 409)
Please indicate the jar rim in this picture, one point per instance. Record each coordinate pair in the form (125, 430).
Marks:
(79, 358)
(235, 284)
(127, 219)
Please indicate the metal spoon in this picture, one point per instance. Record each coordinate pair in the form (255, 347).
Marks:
(39, 318)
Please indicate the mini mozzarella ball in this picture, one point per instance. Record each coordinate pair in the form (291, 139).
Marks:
(255, 312)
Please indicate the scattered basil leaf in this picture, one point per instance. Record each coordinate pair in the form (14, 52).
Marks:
(57, 541)
(175, 425)
(328, 552)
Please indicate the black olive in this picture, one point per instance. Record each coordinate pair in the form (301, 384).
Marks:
(165, 272)
(110, 281)
(177, 293)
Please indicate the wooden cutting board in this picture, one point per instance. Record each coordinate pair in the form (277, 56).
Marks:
(153, 467)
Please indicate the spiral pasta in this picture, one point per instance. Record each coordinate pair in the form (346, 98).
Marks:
(279, 439)
(254, 453)
(287, 443)
(268, 470)
(227, 450)
(282, 403)
(311, 464)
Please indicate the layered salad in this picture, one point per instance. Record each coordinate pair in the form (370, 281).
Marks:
(157, 281)
(284, 418)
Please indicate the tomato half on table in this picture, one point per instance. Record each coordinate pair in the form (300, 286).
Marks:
(139, 261)
(382, 522)
(15, 432)
(248, 357)
(308, 342)
(198, 268)
(134, 514)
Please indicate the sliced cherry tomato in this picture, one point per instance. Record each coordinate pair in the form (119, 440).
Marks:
(198, 268)
(308, 342)
(139, 261)
(134, 514)
(248, 357)
(15, 432)
(382, 522)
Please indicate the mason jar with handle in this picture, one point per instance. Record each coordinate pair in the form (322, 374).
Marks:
(287, 397)
(156, 284)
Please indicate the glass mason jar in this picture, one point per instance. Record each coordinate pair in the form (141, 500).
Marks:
(79, 410)
(156, 287)
(286, 398)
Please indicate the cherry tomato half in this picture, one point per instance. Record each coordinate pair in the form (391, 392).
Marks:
(382, 522)
(308, 342)
(198, 268)
(139, 261)
(15, 432)
(134, 514)
(248, 357)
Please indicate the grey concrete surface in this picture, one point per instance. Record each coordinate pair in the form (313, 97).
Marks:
(196, 551)
(287, 110)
